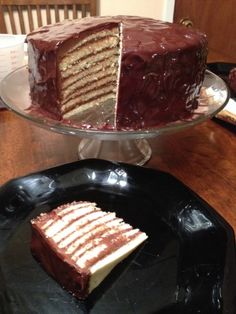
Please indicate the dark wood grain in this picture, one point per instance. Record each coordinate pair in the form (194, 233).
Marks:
(217, 19)
(26, 148)
(202, 157)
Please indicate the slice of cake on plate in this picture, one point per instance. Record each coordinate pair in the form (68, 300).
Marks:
(78, 244)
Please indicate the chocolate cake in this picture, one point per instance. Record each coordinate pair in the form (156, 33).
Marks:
(119, 72)
(232, 81)
(79, 244)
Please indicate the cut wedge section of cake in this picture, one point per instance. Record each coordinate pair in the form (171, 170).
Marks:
(88, 72)
(79, 244)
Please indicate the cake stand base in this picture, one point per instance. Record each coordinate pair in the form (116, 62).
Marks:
(136, 152)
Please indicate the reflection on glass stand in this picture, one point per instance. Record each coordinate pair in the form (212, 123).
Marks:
(125, 146)
(136, 152)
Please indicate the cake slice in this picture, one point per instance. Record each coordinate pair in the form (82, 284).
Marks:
(78, 244)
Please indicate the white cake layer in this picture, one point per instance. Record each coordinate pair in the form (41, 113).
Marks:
(61, 212)
(57, 225)
(92, 80)
(90, 248)
(102, 268)
(91, 49)
(71, 233)
(90, 61)
(90, 106)
(92, 229)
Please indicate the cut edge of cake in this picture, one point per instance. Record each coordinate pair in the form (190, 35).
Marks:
(118, 72)
(108, 263)
(97, 48)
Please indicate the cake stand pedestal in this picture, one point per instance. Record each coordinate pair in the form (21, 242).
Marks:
(130, 146)
(137, 151)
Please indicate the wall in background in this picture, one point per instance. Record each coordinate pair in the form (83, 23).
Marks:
(158, 9)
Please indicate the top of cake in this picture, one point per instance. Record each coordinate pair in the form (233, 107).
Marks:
(151, 33)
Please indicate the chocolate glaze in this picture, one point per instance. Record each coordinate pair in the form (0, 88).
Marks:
(67, 275)
(162, 67)
(232, 81)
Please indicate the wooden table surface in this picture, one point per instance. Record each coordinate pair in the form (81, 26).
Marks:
(203, 157)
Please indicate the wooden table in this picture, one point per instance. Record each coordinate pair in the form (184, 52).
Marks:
(203, 157)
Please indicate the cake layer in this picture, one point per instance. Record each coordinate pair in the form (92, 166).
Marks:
(89, 62)
(83, 240)
(92, 90)
(103, 105)
(92, 95)
(98, 71)
(111, 34)
(90, 49)
(89, 83)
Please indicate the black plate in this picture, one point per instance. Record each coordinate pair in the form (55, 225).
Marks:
(187, 265)
(222, 69)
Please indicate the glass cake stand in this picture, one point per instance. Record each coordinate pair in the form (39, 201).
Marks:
(126, 146)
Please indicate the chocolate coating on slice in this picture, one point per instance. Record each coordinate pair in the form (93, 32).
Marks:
(65, 273)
